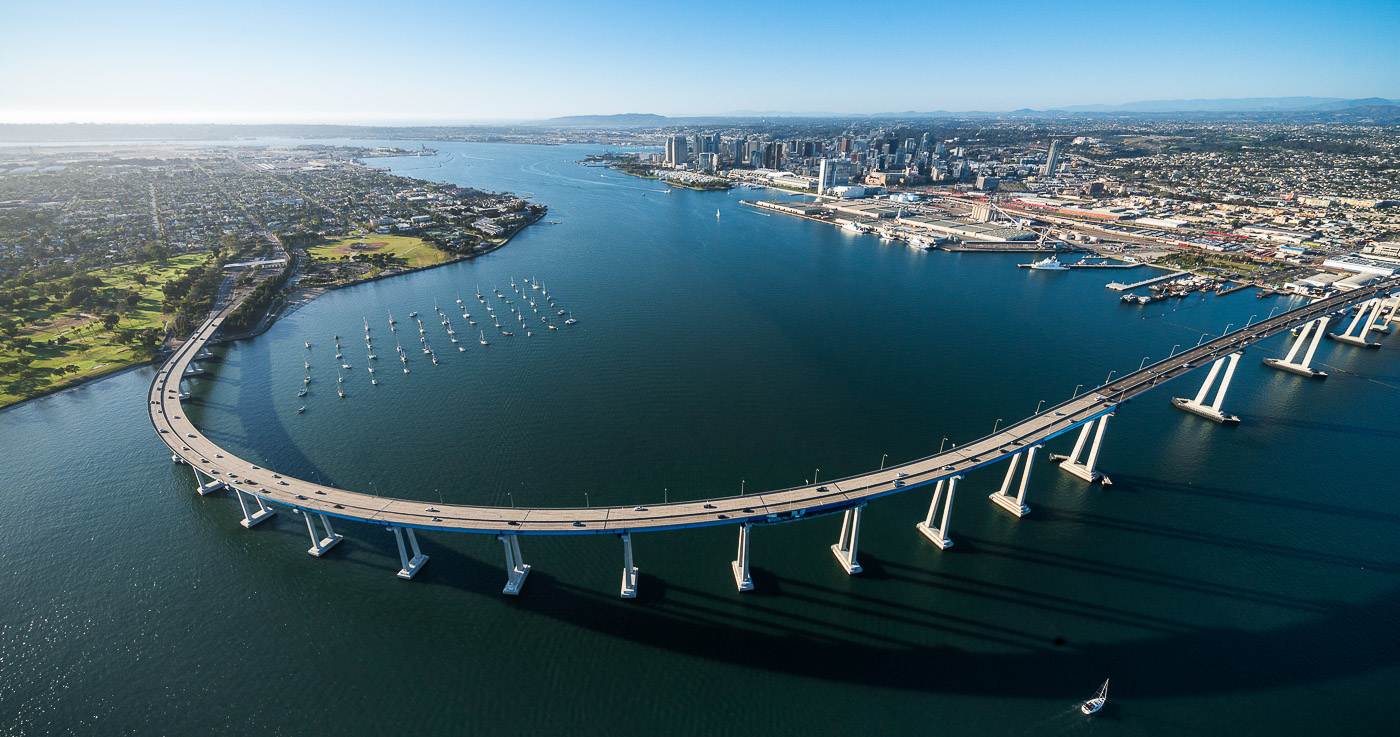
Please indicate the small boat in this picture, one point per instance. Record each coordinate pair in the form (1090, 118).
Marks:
(570, 321)
(307, 380)
(371, 369)
(478, 291)
(1093, 705)
(308, 344)
(306, 365)
(339, 356)
(301, 409)
(336, 336)
(345, 366)
(553, 327)
(391, 318)
(373, 357)
(301, 392)
(483, 337)
(375, 382)
(405, 369)
(460, 348)
(341, 393)
(561, 313)
(507, 333)
(413, 314)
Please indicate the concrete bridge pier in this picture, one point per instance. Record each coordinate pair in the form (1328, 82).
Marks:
(1365, 319)
(741, 564)
(319, 545)
(1016, 505)
(1086, 470)
(1213, 412)
(409, 566)
(845, 548)
(250, 518)
(1318, 326)
(516, 567)
(203, 488)
(938, 533)
(629, 571)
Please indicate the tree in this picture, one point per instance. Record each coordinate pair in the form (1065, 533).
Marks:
(157, 251)
(133, 299)
(141, 279)
(111, 319)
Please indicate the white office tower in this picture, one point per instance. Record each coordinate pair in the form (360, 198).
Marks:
(1053, 159)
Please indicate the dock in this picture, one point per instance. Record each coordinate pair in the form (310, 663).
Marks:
(1230, 290)
(1119, 287)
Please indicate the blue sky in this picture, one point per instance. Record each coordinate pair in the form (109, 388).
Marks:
(436, 61)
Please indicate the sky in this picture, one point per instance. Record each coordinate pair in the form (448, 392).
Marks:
(445, 61)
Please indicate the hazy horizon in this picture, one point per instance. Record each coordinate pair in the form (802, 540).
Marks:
(438, 63)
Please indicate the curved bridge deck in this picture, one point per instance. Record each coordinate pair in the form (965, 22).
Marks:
(191, 446)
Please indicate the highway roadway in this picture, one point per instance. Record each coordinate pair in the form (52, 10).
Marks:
(189, 445)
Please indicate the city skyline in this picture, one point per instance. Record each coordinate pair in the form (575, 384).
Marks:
(436, 63)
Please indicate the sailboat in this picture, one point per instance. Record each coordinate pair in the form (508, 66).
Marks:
(1093, 705)
(483, 337)
(717, 213)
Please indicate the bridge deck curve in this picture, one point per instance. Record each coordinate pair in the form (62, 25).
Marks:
(191, 446)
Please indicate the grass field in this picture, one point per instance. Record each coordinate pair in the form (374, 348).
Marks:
(415, 251)
(91, 346)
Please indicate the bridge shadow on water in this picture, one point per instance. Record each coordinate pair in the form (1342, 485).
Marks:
(799, 627)
(1129, 483)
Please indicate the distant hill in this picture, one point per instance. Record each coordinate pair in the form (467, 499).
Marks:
(622, 120)
(1228, 105)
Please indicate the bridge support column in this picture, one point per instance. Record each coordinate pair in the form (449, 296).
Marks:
(319, 545)
(741, 565)
(629, 571)
(1365, 319)
(1318, 327)
(203, 488)
(409, 566)
(1213, 412)
(1016, 505)
(251, 518)
(516, 568)
(938, 533)
(845, 548)
(1086, 470)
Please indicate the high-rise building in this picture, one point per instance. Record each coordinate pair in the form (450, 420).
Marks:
(676, 151)
(1053, 159)
(773, 155)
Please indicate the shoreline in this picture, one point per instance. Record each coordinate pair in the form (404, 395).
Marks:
(298, 297)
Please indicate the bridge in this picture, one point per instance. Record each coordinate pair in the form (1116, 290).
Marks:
(261, 491)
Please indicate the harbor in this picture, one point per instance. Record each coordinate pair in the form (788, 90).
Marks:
(1211, 546)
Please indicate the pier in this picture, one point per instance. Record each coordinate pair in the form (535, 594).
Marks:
(261, 491)
(1119, 287)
